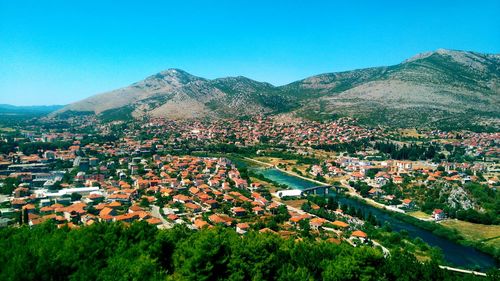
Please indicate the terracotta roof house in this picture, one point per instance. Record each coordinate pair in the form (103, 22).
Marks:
(359, 234)
(114, 204)
(438, 214)
(267, 230)
(172, 217)
(199, 224)
(340, 224)
(154, 221)
(193, 207)
(258, 210)
(220, 219)
(182, 198)
(316, 223)
(107, 214)
(239, 211)
(242, 228)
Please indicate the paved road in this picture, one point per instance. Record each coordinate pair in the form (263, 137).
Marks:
(155, 212)
(463, 270)
(384, 249)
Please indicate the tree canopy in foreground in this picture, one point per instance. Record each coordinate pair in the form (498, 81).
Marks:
(142, 252)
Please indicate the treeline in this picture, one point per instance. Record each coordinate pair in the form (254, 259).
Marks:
(142, 252)
(262, 178)
(350, 147)
(230, 148)
(6, 148)
(441, 231)
(413, 152)
(8, 185)
(406, 152)
(29, 148)
(288, 155)
(471, 215)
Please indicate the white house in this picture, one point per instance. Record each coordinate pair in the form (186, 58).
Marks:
(289, 193)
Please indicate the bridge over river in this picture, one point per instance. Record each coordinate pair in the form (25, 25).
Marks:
(320, 190)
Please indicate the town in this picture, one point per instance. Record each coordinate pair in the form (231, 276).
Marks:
(193, 173)
(250, 140)
(99, 182)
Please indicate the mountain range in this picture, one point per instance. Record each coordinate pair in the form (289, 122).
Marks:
(8, 108)
(435, 89)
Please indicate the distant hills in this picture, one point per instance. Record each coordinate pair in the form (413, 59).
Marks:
(7, 108)
(12, 114)
(436, 89)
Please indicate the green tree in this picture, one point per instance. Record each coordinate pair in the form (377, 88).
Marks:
(26, 219)
(75, 196)
(8, 185)
(305, 228)
(144, 202)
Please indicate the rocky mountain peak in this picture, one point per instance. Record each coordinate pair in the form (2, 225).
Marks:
(431, 89)
(467, 59)
(168, 78)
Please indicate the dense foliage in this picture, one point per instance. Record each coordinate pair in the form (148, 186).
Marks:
(142, 252)
(8, 185)
(412, 152)
(29, 148)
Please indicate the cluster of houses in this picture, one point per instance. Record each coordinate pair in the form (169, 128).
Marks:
(261, 130)
(192, 184)
(104, 184)
(484, 145)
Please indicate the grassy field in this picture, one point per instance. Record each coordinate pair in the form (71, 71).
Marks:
(6, 129)
(275, 161)
(323, 155)
(297, 203)
(419, 215)
(290, 164)
(489, 234)
(411, 133)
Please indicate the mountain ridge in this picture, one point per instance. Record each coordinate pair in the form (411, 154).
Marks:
(30, 108)
(417, 92)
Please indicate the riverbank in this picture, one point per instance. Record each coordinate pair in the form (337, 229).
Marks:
(435, 235)
(285, 171)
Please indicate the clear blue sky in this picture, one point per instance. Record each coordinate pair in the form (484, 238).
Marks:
(57, 52)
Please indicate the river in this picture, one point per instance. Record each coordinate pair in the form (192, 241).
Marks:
(454, 253)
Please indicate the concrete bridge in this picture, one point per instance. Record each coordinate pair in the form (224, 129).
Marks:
(315, 190)
(320, 190)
